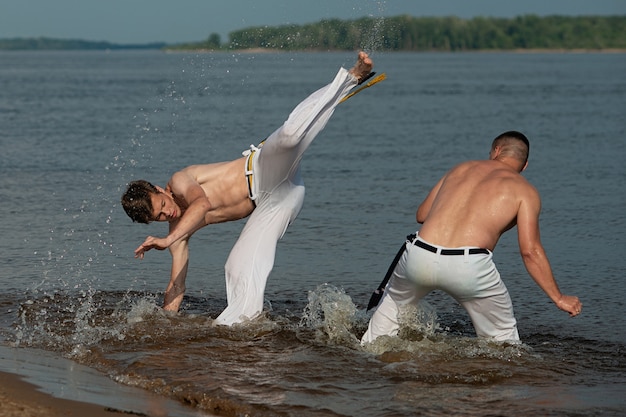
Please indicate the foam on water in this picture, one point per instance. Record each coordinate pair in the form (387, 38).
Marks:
(332, 314)
(214, 368)
(73, 324)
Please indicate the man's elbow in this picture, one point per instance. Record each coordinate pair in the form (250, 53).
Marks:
(531, 254)
(420, 216)
(203, 204)
(526, 256)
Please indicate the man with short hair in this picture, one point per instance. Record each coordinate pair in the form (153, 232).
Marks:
(265, 184)
(462, 220)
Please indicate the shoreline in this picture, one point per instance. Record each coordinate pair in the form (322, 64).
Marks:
(19, 398)
(282, 51)
(495, 51)
(39, 383)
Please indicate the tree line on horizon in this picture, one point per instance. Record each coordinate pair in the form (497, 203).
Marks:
(407, 33)
(51, 44)
(400, 33)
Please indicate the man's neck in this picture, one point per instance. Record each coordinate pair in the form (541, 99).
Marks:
(512, 163)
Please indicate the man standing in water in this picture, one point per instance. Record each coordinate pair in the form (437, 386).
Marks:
(265, 184)
(462, 219)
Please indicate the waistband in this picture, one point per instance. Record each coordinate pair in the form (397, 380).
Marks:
(470, 251)
(249, 154)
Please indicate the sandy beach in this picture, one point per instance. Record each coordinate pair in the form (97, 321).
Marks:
(42, 384)
(22, 399)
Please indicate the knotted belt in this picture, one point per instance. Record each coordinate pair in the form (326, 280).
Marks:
(249, 154)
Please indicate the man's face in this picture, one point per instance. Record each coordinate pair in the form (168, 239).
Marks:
(164, 208)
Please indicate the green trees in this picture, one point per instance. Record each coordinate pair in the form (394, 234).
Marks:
(406, 33)
(68, 44)
(400, 33)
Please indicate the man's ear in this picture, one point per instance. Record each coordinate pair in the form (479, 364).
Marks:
(525, 166)
(493, 152)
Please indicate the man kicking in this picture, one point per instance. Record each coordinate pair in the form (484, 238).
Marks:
(264, 184)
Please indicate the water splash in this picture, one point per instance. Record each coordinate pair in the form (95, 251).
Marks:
(332, 314)
(72, 323)
(374, 40)
(418, 321)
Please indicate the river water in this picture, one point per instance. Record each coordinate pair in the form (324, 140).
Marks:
(77, 126)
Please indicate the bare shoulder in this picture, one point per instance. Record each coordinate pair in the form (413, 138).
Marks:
(530, 194)
(526, 187)
(184, 184)
(180, 178)
(463, 167)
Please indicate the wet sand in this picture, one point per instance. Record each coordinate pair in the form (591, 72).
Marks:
(22, 399)
(41, 384)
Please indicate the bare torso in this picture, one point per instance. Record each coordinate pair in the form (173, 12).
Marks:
(473, 205)
(226, 187)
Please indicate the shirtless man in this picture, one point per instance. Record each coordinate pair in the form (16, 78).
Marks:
(462, 220)
(264, 184)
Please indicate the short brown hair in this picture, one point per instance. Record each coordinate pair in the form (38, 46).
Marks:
(514, 144)
(137, 202)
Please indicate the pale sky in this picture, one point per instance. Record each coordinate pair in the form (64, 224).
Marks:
(144, 21)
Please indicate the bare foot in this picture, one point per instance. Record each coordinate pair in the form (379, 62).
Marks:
(363, 66)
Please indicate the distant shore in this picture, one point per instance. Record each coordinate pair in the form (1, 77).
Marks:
(277, 50)
(404, 33)
(517, 51)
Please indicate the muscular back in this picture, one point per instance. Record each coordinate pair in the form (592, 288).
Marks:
(473, 204)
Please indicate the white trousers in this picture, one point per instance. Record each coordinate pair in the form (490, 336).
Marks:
(473, 280)
(278, 192)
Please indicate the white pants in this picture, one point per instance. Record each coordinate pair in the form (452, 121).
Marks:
(472, 280)
(278, 192)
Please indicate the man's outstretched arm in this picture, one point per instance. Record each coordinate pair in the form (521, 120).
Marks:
(535, 259)
(176, 287)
